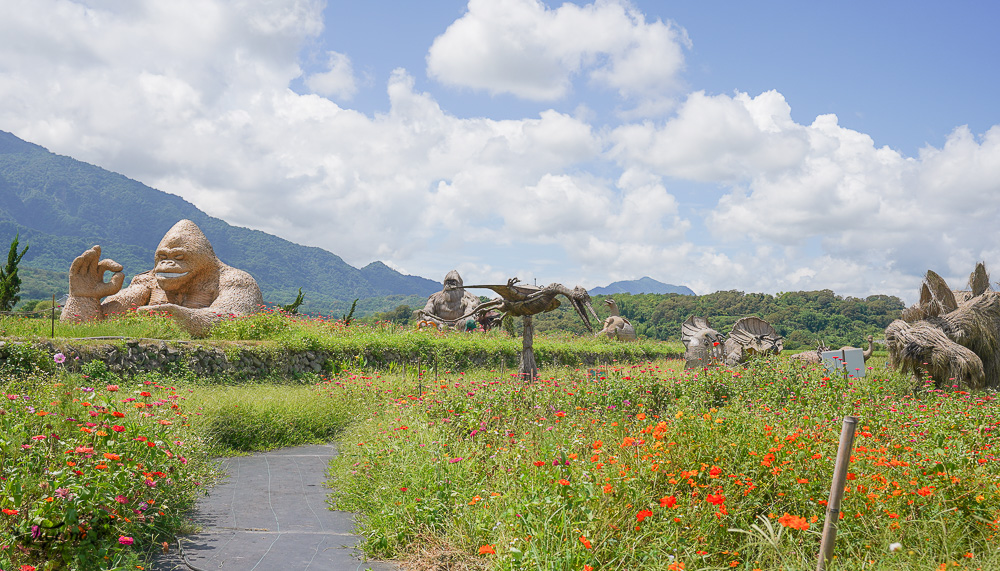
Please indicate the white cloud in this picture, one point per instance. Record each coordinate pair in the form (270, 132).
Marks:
(193, 97)
(338, 81)
(524, 48)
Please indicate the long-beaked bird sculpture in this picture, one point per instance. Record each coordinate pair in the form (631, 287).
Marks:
(527, 300)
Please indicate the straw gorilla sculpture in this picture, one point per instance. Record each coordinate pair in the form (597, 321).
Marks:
(188, 282)
(955, 343)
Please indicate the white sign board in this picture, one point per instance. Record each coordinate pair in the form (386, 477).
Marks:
(852, 360)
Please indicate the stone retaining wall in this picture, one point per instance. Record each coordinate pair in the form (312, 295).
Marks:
(263, 360)
(136, 356)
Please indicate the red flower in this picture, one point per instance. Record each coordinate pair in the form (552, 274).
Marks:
(716, 499)
(643, 515)
(668, 502)
(539, 463)
(487, 550)
(585, 541)
(9, 511)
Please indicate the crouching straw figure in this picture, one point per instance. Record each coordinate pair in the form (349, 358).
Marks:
(448, 307)
(187, 282)
(956, 344)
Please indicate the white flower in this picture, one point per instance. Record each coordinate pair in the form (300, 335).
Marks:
(893, 547)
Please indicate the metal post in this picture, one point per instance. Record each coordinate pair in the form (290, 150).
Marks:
(53, 316)
(836, 491)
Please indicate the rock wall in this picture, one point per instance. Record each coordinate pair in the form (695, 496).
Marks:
(249, 360)
(135, 356)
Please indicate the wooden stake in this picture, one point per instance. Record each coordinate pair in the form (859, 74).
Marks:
(836, 491)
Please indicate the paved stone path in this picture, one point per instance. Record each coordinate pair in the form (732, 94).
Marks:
(271, 514)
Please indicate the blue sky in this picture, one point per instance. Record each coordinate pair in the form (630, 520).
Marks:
(766, 146)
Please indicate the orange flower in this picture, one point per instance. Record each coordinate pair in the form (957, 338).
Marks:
(676, 566)
(585, 541)
(564, 482)
(640, 416)
(487, 550)
(925, 491)
(794, 522)
(111, 456)
(587, 568)
(597, 445)
(714, 472)
(608, 488)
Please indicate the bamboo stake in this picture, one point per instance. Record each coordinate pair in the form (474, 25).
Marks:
(836, 491)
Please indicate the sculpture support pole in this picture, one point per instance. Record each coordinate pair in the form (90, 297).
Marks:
(528, 369)
(836, 491)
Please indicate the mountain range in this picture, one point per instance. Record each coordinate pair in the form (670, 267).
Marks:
(60, 206)
(641, 285)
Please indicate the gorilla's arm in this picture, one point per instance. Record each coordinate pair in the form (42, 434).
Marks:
(238, 295)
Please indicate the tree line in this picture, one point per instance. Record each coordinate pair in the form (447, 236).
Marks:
(802, 317)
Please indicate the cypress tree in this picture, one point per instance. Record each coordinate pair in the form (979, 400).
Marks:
(10, 283)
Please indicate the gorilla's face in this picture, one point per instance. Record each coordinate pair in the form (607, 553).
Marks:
(182, 257)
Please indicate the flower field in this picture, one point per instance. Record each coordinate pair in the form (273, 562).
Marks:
(628, 466)
(90, 471)
(649, 467)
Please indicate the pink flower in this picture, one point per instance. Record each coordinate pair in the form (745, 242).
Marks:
(454, 460)
(125, 540)
(59, 358)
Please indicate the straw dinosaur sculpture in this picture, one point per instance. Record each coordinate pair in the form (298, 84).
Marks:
(751, 336)
(955, 343)
(616, 326)
(527, 300)
(702, 345)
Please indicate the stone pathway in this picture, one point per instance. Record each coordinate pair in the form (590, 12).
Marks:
(271, 514)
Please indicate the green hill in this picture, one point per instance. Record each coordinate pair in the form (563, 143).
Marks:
(61, 207)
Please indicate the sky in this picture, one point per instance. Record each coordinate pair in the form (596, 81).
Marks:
(763, 147)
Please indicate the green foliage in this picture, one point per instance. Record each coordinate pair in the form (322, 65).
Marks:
(241, 419)
(293, 307)
(402, 315)
(22, 359)
(350, 314)
(256, 327)
(10, 283)
(97, 371)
